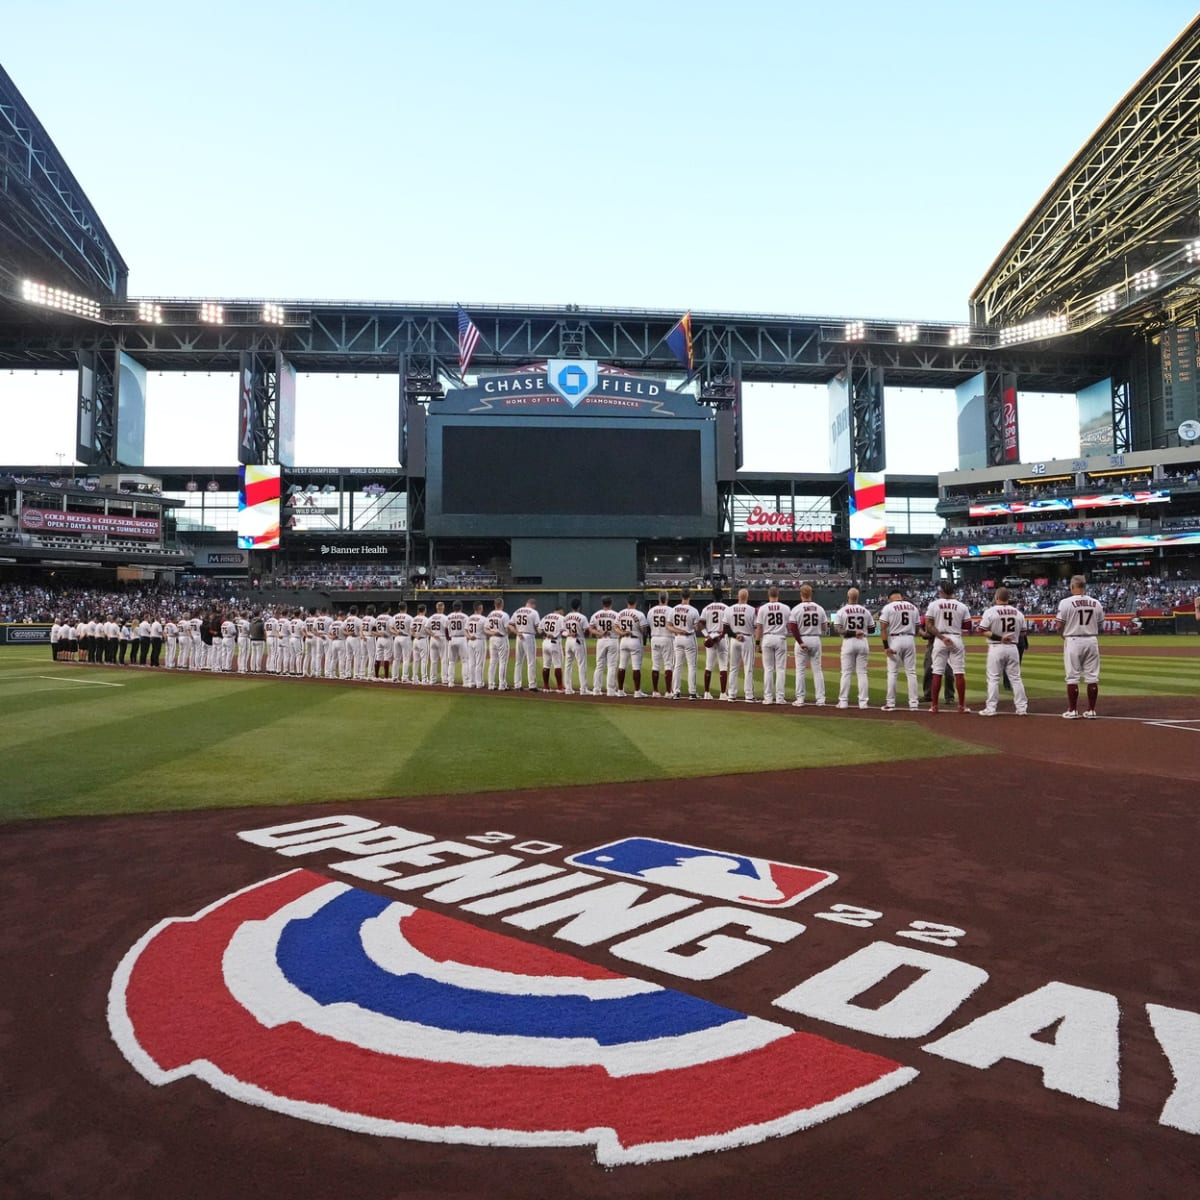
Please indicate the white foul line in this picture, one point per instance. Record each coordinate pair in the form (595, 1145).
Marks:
(85, 682)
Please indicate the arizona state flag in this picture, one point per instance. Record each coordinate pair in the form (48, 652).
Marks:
(679, 340)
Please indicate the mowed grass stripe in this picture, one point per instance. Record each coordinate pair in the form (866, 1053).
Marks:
(747, 738)
(521, 743)
(317, 746)
(38, 709)
(175, 757)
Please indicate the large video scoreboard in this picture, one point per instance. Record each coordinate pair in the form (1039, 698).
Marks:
(615, 456)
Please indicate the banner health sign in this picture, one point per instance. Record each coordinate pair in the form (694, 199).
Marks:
(258, 508)
(868, 523)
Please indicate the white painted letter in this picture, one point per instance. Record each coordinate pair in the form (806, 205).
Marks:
(311, 830)
(920, 1008)
(719, 954)
(1178, 1033)
(601, 913)
(1084, 1058)
(374, 841)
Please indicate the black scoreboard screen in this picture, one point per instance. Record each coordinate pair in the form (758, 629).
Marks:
(625, 478)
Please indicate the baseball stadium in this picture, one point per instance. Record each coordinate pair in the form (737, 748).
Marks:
(334, 798)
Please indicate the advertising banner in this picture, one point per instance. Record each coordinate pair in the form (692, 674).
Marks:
(247, 411)
(24, 635)
(222, 558)
(840, 436)
(285, 411)
(1096, 419)
(971, 400)
(131, 412)
(53, 520)
(85, 429)
(1012, 451)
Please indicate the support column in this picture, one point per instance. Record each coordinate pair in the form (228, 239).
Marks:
(866, 414)
(1122, 414)
(258, 407)
(96, 420)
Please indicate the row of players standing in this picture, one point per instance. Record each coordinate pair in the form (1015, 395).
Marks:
(440, 647)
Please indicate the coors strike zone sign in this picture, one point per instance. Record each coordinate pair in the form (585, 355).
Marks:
(563, 386)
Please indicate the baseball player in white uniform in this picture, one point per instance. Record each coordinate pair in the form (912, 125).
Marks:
(456, 650)
(771, 627)
(439, 655)
(228, 643)
(402, 645)
(947, 619)
(420, 646)
(171, 632)
(1081, 618)
(684, 619)
(524, 624)
(296, 643)
(242, 622)
(575, 626)
(476, 645)
(335, 649)
(196, 625)
(381, 667)
(370, 640)
(603, 627)
(807, 623)
(1003, 625)
(854, 622)
(899, 620)
(631, 623)
(716, 645)
(352, 649)
(498, 625)
(739, 621)
(311, 666)
(551, 629)
(662, 644)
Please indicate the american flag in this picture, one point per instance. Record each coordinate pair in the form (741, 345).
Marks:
(468, 339)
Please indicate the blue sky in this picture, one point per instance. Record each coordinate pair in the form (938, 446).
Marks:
(858, 160)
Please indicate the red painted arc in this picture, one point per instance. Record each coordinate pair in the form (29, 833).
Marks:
(446, 940)
(181, 1012)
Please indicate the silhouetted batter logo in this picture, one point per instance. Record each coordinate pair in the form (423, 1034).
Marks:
(759, 882)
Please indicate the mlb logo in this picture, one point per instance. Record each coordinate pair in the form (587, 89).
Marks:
(759, 882)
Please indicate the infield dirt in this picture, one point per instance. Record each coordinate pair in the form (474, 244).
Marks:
(1054, 866)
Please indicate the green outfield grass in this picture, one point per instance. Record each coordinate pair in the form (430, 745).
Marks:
(71, 746)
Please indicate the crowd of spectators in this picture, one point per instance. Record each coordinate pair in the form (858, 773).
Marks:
(23, 603)
(1125, 595)
(1187, 474)
(373, 577)
(1033, 530)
